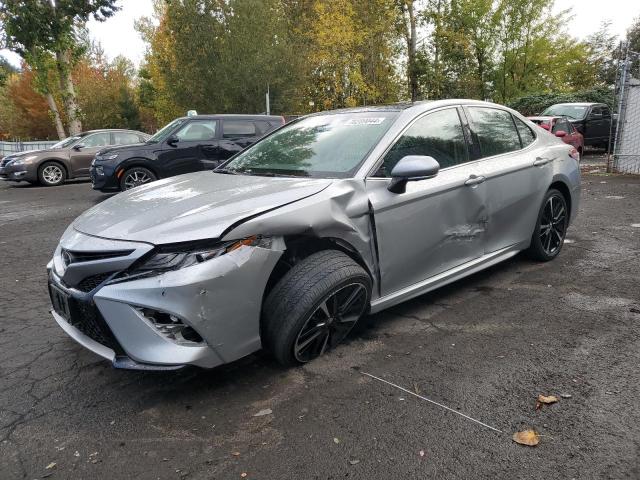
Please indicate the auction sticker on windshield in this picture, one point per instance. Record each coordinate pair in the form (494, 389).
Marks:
(365, 121)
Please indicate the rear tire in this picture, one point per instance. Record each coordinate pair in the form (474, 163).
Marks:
(136, 176)
(51, 174)
(551, 227)
(314, 307)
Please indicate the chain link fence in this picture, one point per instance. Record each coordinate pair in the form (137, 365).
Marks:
(7, 148)
(626, 140)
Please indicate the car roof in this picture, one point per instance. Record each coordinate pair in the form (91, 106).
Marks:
(421, 105)
(546, 117)
(101, 130)
(578, 104)
(237, 116)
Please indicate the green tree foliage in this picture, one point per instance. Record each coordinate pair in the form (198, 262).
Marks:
(6, 69)
(216, 56)
(502, 49)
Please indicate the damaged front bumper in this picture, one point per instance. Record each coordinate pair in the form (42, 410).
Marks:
(205, 315)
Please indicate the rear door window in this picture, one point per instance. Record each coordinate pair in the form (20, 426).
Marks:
(125, 138)
(238, 129)
(495, 130)
(526, 134)
(97, 140)
(561, 125)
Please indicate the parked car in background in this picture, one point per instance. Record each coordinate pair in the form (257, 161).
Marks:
(592, 120)
(188, 144)
(286, 245)
(69, 158)
(562, 128)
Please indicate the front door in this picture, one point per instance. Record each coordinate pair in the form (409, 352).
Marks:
(186, 155)
(596, 126)
(438, 223)
(82, 153)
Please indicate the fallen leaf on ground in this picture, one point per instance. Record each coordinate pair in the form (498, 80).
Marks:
(243, 474)
(565, 395)
(336, 440)
(261, 413)
(545, 400)
(527, 437)
(50, 466)
(549, 399)
(235, 454)
(422, 453)
(354, 462)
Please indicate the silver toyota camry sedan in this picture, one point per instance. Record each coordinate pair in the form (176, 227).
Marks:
(289, 243)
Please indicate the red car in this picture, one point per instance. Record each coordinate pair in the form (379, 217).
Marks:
(561, 127)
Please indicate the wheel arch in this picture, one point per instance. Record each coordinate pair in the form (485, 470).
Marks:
(564, 189)
(58, 161)
(135, 162)
(299, 247)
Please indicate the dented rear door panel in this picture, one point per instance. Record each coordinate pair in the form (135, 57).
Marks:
(514, 191)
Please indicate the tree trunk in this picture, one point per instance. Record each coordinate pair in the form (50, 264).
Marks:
(56, 116)
(68, 92)
(411, 44)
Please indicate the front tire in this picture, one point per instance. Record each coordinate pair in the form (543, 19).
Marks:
(51, 174)
(551, 227)
(136, 176)
(314, 307)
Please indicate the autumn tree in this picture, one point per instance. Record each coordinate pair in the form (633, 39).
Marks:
(34, 26)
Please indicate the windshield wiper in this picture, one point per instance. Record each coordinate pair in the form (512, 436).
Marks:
(225, 171)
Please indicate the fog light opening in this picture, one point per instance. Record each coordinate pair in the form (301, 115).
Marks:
(171, 326)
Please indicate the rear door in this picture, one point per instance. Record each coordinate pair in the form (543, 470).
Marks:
(597, 126)
(126, 138)
(188, 154)
(82, 153)
(438, 223)
(517, 171)
(237, 134)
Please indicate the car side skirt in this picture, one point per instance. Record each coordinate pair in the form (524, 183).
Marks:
(445, 278)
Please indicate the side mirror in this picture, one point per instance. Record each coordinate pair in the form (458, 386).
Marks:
(545, 126)
(412, 168)
(173, 140)
(561, 133)
(78, 147)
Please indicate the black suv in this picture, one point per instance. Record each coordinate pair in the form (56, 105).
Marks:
(592, 120)
(188, 144)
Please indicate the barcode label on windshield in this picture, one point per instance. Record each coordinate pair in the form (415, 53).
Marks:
(365, 121)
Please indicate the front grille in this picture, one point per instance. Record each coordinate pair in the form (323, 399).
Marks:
(85, 316)
(71, 256)
(90, 283)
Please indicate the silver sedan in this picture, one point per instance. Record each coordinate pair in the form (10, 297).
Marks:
(289, 243)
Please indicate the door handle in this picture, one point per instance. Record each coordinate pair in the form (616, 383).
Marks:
(539, 161)
(474, 180)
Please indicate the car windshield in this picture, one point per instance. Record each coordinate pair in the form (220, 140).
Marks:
(164, 132)
(67, 142)
(327, 146)
(575, 112)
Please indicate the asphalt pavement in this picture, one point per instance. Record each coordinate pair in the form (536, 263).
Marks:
(485, 347)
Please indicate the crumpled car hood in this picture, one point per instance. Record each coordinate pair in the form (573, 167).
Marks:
(191, 207)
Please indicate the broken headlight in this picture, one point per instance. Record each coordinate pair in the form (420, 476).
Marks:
(174, 257)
